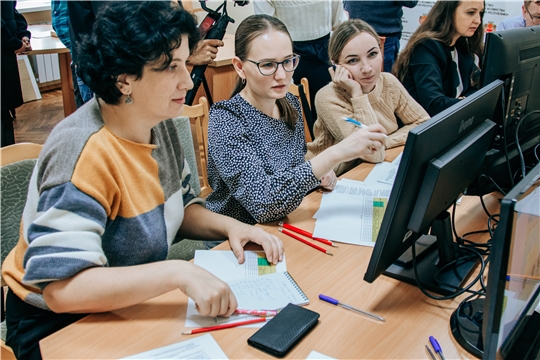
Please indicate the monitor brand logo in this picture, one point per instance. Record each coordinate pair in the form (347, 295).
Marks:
(465, 124)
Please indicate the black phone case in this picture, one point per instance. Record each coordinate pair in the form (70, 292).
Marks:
(281, 333)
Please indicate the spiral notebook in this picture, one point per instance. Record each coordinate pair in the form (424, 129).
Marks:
(268, 292)
(256, 283)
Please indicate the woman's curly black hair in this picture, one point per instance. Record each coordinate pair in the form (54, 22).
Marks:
(128, 35)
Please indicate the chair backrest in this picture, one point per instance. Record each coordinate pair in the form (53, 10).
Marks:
(296, 91)
(17, 164)
(198, 115)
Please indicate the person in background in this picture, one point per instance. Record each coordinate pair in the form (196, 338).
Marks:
(60, 24)
(81, 18)
(60, 21)
(256, 143)
(83, 14)
(310, 24)
(530, 16)
(15, 41)
(385, 18)
(110, 191)
(437, 67)
(360, 91)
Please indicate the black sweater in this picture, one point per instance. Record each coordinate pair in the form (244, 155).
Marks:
(431, 78)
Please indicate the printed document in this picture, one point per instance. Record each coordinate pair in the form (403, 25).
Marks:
(202, 347)
(352, 213)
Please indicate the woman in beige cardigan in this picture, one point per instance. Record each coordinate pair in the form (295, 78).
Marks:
(360, 91)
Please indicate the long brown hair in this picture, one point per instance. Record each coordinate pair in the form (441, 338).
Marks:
(251, 28)
(344, 33)
(439, 25)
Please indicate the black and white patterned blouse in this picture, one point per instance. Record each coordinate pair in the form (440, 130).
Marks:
(256, 164)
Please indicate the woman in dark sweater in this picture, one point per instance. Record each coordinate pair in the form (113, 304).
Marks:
(437, 66)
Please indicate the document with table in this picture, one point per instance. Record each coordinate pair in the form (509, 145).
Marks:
(257, 285)
(352, 213)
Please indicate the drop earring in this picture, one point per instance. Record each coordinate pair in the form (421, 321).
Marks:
(129, 100)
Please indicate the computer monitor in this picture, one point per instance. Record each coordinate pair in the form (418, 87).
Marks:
(440, 159)
(513, 289)
(514, 57)
(504, 324)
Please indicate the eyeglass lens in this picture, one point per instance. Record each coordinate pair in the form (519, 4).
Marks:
(270, 67)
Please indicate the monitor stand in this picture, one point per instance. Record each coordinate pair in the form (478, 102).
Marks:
(466, 324)
(430, 264)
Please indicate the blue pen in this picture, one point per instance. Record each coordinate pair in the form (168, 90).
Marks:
(348, 307)
(357, 123)
(436, 346)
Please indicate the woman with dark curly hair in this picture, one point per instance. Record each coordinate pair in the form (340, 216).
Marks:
(110, 191)
(437, 67)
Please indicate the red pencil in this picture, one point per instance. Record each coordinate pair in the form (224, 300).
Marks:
(224, 326)
(306, 233)
(286, 232)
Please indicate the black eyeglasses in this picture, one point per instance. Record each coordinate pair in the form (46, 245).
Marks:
(268, 68)
(534, 18)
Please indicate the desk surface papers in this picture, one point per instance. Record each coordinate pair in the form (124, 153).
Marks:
(202, 347)
(352, 213)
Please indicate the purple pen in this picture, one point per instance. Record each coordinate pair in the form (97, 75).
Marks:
(436, 346)
(348, 307)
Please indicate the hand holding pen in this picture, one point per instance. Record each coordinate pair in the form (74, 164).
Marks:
(358, 124)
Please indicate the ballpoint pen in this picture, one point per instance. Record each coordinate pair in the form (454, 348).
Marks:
(305, 233)
(296, 237)
(358, 123)
(436, 346)
(263, 313)
(224, 326)
(430, 353)
(349, 307)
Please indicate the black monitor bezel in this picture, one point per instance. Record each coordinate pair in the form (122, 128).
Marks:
(394, 237)
(500, 251)
(513, 56)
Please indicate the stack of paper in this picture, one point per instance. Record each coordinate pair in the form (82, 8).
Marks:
(352, 213)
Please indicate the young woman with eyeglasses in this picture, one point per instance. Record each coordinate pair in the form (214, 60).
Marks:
(256, 143)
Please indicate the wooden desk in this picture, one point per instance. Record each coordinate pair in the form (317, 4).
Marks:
(53, 45)
(220, 73)
(410, 316)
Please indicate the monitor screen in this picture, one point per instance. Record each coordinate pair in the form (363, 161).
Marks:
(439, 161)
(514, 57)
(513, 288)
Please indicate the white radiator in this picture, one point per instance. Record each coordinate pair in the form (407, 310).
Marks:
(48, 68)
